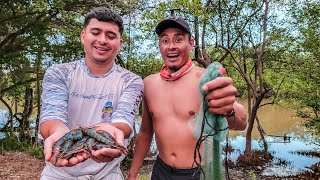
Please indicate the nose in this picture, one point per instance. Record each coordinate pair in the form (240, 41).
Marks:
(172, 45)
(102, 39)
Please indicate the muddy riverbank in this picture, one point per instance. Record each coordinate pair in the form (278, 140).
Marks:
(20, 166)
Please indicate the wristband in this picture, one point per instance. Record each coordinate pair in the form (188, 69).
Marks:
(231, 113)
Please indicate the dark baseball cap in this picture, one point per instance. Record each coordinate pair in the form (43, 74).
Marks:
(173, 21)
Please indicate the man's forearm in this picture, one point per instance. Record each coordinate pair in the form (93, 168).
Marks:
(124, 128)
(141, 149)
(239, 120)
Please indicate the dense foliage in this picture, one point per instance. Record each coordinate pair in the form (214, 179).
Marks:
(266, 46)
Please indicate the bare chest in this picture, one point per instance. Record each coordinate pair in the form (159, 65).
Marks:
(173, 101)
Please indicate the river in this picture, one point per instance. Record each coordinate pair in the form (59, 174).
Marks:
(276, 121)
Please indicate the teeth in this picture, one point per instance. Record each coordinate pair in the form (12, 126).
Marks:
(101, 48)
(173, 55)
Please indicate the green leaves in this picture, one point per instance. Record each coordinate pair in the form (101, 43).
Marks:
(48, 31)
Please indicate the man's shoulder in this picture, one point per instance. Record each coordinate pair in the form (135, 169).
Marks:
(64, 67)
(199, 69)
(123, 70)
(195, 74)
(152, 77)
(126, 74)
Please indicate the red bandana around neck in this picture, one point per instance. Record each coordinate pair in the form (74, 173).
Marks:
(168, 76)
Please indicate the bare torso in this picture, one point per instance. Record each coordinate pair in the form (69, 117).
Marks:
(172, 104)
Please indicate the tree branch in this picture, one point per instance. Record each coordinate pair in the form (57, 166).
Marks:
(240, 69)
(2, 91)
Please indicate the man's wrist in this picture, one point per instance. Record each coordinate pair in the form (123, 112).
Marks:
(231, 113)
(132, 175)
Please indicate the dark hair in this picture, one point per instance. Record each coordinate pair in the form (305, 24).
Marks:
(105, 15)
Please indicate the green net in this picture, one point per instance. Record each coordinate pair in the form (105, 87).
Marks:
(210, 130)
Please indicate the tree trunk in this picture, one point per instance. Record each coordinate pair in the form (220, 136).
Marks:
(262, 134)
(38, 64)
(251, 123)
(27, 112)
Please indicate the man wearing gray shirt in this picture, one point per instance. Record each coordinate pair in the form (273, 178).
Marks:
(90, 91)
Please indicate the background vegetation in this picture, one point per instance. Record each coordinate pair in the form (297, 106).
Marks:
(270, 48)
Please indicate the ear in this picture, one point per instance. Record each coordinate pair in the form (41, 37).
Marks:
(82, 35)
(192, 42)
(121, 41)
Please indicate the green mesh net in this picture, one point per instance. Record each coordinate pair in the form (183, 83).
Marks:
(210, 130)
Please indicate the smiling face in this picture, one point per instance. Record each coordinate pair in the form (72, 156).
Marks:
(102, 41)
(175, 46)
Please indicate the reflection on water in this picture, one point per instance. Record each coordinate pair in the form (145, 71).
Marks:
(153, 147)
(3, 117)
(276, 121)
(281, 151)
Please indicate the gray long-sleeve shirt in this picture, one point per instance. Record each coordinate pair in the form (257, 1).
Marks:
(72, 95)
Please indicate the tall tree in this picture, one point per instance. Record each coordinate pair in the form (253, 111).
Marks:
(306, 22)
(36, 34)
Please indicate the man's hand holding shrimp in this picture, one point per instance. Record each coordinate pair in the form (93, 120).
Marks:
(108, 154)
(48, 147)
(101, 155)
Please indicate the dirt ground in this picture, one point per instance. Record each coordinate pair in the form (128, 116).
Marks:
(19, 165)
(22, 166)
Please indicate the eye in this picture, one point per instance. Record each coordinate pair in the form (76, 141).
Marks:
(179, 39)
(111, 35)
(165, 41)
(95, 33)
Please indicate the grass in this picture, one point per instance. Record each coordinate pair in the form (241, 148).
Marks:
(143, 177)
(12, 143)
(252, 174)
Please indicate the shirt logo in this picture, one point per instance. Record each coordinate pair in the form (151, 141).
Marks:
(107, 107)
(107, 110)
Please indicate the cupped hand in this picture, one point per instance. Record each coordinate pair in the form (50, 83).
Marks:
(80, 157)
(49, 142)
(108, 154)
(105, 155)
(48, 147)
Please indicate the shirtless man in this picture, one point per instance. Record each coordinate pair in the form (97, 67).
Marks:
(171, 100)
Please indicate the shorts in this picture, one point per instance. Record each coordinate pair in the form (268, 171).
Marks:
(162, 171)
(106, 173)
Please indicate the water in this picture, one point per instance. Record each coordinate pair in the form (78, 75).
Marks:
(276, 121)
(153, 147)
(281, 151)
(3, 119)
(287, 151)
